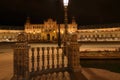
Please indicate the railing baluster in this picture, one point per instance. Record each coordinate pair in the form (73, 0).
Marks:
(62, 57)
(27, 61)
(32, 60)
(43, 66)
(57, 57)
(52, 57)
(38, 58)
(48, 58)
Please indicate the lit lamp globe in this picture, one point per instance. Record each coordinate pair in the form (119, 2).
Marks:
(65, 2)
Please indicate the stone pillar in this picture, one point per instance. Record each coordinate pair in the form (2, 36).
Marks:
(21, 59)
(73, 53)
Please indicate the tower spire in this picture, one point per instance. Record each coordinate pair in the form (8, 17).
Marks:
(73, 20)
(28, 20)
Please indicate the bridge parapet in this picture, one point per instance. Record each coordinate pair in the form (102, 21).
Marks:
(41, 63)
(44, 58)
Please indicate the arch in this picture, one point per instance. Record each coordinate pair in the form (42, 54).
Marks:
(54, 76)
(66, 75)
(38, 78)
(48, 77)
(43, 77)
(60, 76)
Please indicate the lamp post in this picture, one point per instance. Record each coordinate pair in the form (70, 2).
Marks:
(59, 37)
(65, 2)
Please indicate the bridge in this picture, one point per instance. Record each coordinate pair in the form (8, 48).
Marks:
(46, 63)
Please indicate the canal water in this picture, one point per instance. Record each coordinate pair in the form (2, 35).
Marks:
(108, 64)
(112, 65)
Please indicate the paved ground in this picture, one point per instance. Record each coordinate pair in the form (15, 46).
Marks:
(100, 74)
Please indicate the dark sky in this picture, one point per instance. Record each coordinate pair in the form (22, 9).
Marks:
(14, 12)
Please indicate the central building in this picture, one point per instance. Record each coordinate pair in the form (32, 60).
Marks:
(48, 31)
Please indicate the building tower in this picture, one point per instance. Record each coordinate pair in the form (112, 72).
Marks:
(28, 20)
(27, 24)
(21, 59)
(74, 25)
(73, 20)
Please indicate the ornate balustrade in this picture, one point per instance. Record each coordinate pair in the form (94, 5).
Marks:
(42, 59)
(46, 63)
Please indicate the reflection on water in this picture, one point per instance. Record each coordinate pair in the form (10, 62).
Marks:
(112, 65)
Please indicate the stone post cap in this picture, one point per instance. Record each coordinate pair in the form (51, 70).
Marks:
(22, 37)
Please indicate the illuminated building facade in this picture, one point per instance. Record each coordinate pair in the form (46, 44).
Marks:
(48, 31)
(9, 35)
(103, 39)
(103, 34)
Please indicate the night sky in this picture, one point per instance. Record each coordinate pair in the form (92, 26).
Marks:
(15, 12)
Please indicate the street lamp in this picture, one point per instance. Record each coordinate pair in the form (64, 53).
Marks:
(65, 3)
